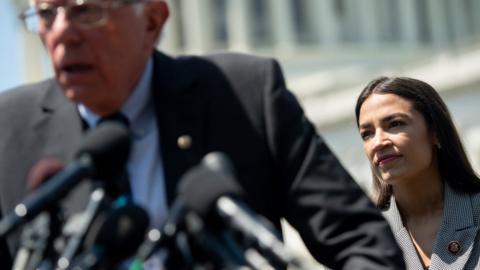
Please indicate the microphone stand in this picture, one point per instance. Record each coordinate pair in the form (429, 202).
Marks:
(250, 256)
(31, 240)
(221, 247)
(80, 228)
(102, 193)
(262, 235)
(37, 241)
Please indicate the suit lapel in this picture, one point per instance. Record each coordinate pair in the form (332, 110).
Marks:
(58, 129)
(180, 110)
(458, 226)
(58, 126)
(403, 237)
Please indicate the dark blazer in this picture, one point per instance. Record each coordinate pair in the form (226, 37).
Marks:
(460, 226)
(233, 103)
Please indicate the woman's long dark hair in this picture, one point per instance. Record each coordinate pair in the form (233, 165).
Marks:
(452, 160)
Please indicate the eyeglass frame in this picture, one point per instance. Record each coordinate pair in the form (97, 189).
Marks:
(32, 13)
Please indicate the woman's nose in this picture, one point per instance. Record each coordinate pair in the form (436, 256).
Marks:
(380, 140)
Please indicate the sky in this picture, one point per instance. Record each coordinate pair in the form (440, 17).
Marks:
(11, 73)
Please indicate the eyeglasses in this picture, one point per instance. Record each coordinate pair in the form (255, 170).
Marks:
(82, 13)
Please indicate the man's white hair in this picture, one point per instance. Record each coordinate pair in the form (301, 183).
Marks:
(139, 7)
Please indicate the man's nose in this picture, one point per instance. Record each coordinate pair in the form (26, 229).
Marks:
(61, 20)
(63, 28)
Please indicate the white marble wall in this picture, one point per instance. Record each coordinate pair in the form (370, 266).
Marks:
(404, 24)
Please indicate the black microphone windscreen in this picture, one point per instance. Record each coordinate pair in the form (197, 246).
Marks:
(202, 186)
(119, 232)
(108, 145)
(219, 162)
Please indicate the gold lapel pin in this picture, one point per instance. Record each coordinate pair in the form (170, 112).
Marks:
(184, 142)
(454, 247)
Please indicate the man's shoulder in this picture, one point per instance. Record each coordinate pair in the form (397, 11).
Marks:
(224, 62)
(230, 60)
(25, 95)
(236, 57)
(221, 60)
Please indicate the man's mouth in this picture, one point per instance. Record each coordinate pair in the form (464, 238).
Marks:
(77, 68)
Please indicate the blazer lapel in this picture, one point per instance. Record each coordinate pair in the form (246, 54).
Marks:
(458, 228)
(58, 129)
(58, 126)
(180, 109)
(402, 236)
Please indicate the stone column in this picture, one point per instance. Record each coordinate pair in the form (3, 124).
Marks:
(239, 24)
(170, 38)
(324, 20)
(437, 19)
(198, 28)
(368, 22)
(474, 11)
(36, 66)
(458, 19)
(350, 22)
(409, 22)
(282, 24)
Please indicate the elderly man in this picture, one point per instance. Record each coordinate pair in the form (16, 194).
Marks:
(104, 58)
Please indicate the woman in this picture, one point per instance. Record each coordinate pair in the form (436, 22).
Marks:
(422, 177)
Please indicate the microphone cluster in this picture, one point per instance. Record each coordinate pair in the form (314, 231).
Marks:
(222, 232)
(209, 225)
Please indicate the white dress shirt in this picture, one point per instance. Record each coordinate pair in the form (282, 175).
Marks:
(145, 165)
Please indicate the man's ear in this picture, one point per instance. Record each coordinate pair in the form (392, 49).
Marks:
(157, 13)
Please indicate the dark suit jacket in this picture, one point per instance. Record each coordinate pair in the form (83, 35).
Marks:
(233, 103)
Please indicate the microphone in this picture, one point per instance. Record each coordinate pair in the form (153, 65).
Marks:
(113, 237)
(77, 227)
(172, 230)
(105, 149)
(160, 238)
(36, 239)
(210, 191)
